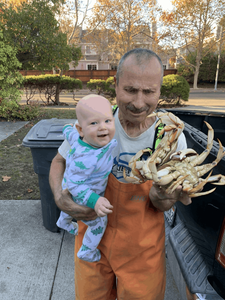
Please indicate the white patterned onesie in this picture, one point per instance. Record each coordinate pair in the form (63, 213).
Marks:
(86, 176)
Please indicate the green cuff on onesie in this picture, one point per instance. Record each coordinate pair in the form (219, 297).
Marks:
(92, 200)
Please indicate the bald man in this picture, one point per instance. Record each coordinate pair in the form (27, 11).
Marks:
(88, 164)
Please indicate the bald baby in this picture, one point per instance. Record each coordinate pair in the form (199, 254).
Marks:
(92, 104)
(95, 120)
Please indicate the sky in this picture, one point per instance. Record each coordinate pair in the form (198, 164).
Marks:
(166, 4)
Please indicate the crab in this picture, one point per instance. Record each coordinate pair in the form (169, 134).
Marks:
(169, 169)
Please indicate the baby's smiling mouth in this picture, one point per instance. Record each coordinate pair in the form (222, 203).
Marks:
(102, 135)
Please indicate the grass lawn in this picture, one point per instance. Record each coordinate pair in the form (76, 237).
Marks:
(17, 162)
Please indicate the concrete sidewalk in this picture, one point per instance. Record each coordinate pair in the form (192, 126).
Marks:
(34, 262)
(38, 264)
(8, 128)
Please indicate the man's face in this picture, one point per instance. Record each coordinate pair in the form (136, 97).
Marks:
(139, 89)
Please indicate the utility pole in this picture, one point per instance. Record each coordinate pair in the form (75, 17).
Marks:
(218, 62)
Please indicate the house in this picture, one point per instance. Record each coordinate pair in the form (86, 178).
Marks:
(92, 58)
(94, 47)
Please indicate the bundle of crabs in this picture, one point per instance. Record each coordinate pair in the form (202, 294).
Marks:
(169, 169)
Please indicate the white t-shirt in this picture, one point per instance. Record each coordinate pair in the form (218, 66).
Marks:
(128, 146)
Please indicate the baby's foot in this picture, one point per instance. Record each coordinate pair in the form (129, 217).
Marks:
(89, 255)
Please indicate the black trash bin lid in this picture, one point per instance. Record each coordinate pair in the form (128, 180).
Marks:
(46, 133)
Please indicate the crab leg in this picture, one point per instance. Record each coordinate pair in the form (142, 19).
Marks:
(168, 178)
(202, 193)
(201, 170)
(173, 186)
(200, 185)
(200, 158)
(220, 178)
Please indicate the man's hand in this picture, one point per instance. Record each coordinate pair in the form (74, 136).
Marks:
(78, 212)
(103, 207)
(164, 201)
(63, 199)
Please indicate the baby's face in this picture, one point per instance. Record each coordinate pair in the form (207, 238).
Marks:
(98, 127)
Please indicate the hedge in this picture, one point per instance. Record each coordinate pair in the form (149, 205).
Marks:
(174, 89)
(103, 87)
(50, 85)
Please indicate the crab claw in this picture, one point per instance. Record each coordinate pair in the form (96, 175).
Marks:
(220, 178)
(202, 193)
(131, 179)
(200, 185)
(200, 158)
(180, 155)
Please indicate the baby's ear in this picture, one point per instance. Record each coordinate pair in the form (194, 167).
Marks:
(79, 129)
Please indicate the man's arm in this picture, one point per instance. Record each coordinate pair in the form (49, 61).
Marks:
(63, 198)
(164, 201)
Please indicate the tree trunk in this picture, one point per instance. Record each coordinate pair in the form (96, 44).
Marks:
(198, 63)
(57, 94)
(195, 85)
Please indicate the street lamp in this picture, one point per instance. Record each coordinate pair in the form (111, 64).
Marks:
(218, 62)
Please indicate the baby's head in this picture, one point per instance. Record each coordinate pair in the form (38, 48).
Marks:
(95, 120)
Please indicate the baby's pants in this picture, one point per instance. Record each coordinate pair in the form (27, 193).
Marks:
(91, 240)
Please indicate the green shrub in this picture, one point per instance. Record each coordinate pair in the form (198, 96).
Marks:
(10, 78)
(50, 85)
(174, 88)
(97, 84)
(110, 81)
(11, 110)
(103, 87)
(65, 82)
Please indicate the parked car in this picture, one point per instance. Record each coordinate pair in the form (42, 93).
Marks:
(195, 234)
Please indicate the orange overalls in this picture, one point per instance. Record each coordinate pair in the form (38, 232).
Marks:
(132, 248)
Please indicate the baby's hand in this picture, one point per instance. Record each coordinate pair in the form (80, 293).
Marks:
(68, 124)
(103, 207)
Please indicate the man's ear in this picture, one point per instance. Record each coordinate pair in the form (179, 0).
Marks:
(79, 129)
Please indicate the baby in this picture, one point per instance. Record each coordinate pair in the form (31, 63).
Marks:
(88, 164)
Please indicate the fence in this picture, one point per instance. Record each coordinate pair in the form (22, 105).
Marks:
(86, 75)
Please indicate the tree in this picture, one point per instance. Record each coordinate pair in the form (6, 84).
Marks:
(10, 79)
(34, 31)
(207, 69)
(72, 16)
(119, 23)
(14, 3)
(192, 22)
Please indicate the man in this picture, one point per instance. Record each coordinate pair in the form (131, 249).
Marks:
(133, 258)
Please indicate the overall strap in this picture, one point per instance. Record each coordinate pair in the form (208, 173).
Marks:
(157, 137)
(114, 109)
(156, 141)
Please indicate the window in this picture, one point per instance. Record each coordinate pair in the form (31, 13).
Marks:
(87, 50)
(164, 67)
(90, 50)
(113, 67)
(92, 67)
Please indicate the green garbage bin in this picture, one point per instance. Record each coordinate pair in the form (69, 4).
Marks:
(43, 139)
